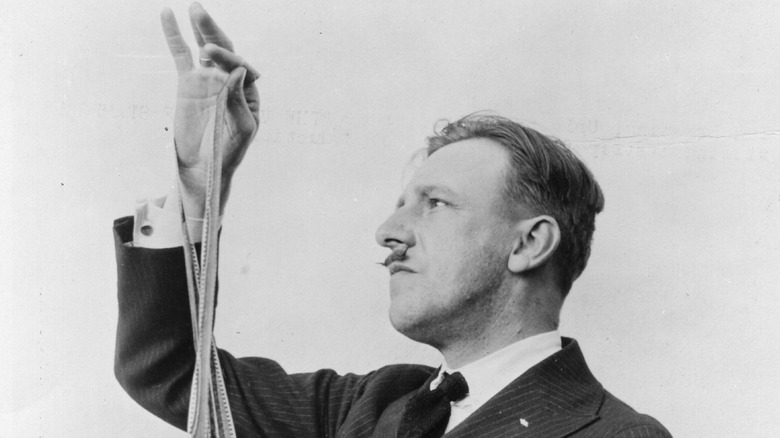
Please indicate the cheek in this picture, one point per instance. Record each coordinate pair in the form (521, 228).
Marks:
(473, 243)
(462, 259)
(481, 267)
(454, 251)
(449, 243)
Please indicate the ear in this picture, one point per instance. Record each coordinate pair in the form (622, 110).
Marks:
(536, 242)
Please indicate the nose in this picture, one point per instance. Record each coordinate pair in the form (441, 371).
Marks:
(396, 230)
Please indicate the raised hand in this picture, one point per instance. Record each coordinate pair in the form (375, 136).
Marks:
(197, 93)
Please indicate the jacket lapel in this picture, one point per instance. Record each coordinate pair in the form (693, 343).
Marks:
(390, 420)
(555, 398)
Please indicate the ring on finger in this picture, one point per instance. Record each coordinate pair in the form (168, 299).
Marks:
(206, 62)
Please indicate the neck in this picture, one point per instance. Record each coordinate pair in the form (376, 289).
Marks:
(459, 355)
(529, 315)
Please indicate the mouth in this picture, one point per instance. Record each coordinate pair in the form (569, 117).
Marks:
(395, 268)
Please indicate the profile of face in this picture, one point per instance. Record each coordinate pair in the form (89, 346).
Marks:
(453, 227)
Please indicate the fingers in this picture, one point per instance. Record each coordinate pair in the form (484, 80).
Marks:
(206, 30)
(212, 42)
(179, 49)
(196, 32)
(204, 58)
(245, 116)
(229, 61)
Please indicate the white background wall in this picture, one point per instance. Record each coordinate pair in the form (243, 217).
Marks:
(674, 106)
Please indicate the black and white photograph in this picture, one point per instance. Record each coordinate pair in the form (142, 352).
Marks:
(390, 219)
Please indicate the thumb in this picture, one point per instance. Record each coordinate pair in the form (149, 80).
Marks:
(237, 103)
(235, 86)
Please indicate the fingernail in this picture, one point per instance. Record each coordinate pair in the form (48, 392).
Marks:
(250, 75)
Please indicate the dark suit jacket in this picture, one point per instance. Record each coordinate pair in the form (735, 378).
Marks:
(155, 357)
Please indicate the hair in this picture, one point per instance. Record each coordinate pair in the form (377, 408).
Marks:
(544, 176)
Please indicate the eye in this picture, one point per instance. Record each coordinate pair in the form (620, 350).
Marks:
(436, 203)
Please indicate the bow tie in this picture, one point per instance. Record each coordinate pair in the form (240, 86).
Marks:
(426, 414)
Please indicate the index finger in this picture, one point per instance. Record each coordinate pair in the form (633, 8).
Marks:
(207, 27)
(176, 44)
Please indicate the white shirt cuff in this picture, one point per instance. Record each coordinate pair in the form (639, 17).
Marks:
(158, 223)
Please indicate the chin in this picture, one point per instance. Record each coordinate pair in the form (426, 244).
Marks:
(414, 327)
(402, 321)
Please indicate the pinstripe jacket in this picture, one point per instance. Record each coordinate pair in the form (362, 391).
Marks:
(558, 397)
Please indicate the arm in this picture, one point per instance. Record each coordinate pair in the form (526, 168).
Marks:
(155, 358)
(155, 355)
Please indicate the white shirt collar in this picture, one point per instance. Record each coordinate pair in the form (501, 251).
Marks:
(487, 376)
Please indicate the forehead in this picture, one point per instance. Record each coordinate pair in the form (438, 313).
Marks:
(470, 167)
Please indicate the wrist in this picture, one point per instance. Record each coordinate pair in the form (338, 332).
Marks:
(193, 194)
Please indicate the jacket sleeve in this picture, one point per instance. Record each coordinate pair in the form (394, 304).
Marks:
(155, 357)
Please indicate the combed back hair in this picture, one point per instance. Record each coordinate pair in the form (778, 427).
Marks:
(546, 177)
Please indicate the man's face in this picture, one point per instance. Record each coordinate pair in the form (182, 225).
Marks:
(453, 217)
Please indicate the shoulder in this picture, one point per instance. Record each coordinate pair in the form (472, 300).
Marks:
(612, 416)
(617, 419)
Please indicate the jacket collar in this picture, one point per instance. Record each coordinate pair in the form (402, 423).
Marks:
(552, 399)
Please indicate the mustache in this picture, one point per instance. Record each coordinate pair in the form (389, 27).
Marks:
(398, 254)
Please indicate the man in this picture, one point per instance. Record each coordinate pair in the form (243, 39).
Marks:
(485, 243)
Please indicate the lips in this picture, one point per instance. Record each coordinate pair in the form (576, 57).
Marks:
(395, 268)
